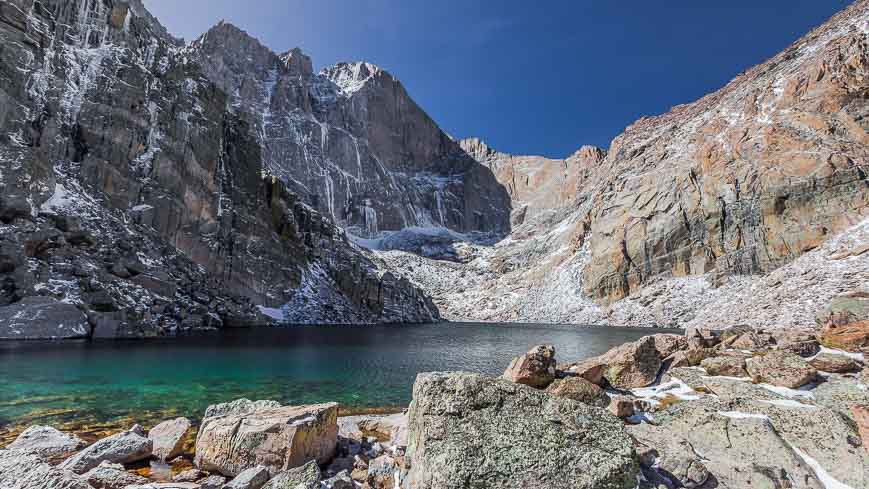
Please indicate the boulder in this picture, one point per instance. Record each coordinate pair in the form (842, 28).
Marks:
(632, 365)
(122, 448)
(853, 337)
(701, 338)
(729, 366)
(579, 389)
(278, 438)
(838, 364)
(252, 478)
(621, 406)
(22, 470)
(107, 475)
(42, 318)
(780, 368)
(168, 438)
(590, 370)
(668, 344)
(46, 442)
(308, 474)
(519, 437)
(535, 368)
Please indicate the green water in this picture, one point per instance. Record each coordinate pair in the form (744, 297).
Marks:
(371, 366)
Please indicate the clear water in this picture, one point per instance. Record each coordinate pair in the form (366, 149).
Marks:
(359, 367)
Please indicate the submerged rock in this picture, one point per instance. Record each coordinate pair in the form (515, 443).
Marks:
(278, 438)
(122, 448)
(519, 437)
(46, 442)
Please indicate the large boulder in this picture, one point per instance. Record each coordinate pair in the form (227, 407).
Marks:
(668, 343)
(46, 442)
(168, 438)
(278, 438)
(21, 470)
(780, 368)
(42, 318)
(535, 368)
(468, 430)
(122, 448)
(579, 389)
(632, 365)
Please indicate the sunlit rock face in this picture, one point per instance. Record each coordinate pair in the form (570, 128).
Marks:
(108, 121)
(350, 141)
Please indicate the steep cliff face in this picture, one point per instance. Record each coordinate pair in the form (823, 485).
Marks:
(746, 179)
(691, 208)
(109, 123)
(350, 141)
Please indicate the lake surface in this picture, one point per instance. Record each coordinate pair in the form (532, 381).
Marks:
(357, 366)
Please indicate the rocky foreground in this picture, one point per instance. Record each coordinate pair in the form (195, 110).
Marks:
(738, 408)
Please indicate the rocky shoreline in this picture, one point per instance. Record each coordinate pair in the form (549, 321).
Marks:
(742, 407)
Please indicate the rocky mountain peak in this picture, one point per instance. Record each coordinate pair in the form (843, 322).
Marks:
(353, 77)
(477, 148)
(297, 63)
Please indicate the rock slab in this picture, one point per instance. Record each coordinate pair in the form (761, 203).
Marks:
(520, 437)
(46, 442)
(278, 438)
(122, 448)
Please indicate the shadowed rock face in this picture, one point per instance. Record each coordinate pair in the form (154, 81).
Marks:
(350, 140)
(109, 120)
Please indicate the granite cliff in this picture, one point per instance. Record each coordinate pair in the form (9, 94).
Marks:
(134, 192)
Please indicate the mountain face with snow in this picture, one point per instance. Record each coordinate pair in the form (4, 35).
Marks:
(689, 211)
(135, 190)
(350, 141)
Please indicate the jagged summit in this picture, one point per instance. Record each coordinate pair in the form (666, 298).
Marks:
(352, 77)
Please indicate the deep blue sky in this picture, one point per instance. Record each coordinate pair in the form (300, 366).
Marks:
(528, 77)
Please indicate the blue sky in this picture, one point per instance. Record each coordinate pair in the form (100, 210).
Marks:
(528, 77)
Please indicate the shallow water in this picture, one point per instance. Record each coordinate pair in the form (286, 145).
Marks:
(113, 383)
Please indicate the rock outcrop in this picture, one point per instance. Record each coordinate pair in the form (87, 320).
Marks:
(519, 437)
(278, 438)
(134, 190)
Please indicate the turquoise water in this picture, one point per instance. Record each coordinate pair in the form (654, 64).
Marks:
(360, 367)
